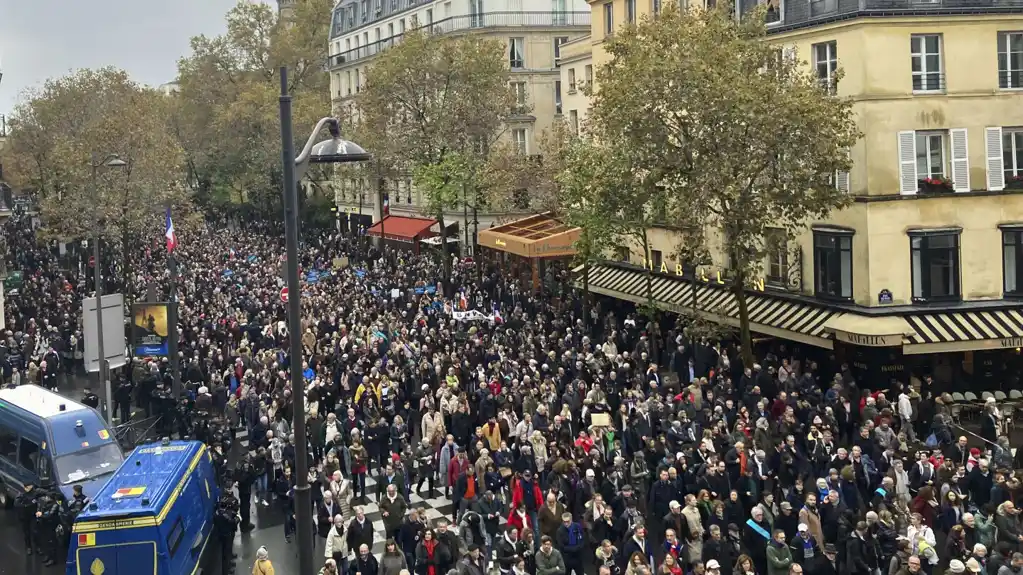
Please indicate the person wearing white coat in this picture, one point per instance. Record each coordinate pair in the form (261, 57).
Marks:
(336, 547)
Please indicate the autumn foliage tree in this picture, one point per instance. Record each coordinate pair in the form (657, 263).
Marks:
(61, 131)
(225, 114)
(735, 131)
(433, 107)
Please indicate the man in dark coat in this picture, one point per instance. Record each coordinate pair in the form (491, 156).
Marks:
(756, 536)
(360, 530)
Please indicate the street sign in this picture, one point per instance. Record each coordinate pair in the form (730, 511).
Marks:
(284, 294)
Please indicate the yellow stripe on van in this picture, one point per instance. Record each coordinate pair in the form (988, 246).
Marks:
(181, 484)
(114, 524)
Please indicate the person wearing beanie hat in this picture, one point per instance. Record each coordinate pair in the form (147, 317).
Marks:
(956, 566)
(262, 565)
(972, 565)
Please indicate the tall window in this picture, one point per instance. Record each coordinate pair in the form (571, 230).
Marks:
(935, 263)
(630, 11)
(588, 74)
(825, 63)
(1012, 261)
(777, 257)
(622, 253)
(519, 135)
(1010, 60)
(832, 265)
(475, 13)
(558, 41)
(573, 120)
(930, 155)
(517, 52)
(1012, 153)
(519, 89)
(571, 80)
(655, 6)
(609, 18)
(927, 66)
(557, 97)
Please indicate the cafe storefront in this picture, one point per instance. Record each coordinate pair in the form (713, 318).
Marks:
(526, 247)
(977, 345)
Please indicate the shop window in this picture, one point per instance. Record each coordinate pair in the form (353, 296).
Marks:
(656, 258)
(935, 264)
(1012, 262)
(832, 264)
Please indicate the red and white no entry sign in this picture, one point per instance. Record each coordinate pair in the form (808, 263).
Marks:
(284, 294)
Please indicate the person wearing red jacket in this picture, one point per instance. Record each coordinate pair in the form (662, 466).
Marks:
(457, 466)
(520, 519)
(527, 497)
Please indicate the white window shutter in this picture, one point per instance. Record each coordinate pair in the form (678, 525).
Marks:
(960, 160)
(842, 181)
(995, 163)
(908, 183)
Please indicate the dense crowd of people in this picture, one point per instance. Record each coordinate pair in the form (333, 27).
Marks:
(569, 438)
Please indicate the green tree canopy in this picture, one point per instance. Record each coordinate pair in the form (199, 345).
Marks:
(225, 114)
(433, 107)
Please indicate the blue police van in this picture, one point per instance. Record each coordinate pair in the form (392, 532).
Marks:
(52, 442)
(154, 516)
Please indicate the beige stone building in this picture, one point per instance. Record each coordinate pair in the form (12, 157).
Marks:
(533, 33)
(912, 277)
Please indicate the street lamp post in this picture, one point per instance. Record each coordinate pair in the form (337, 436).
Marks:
(332, 151)
(110, 161)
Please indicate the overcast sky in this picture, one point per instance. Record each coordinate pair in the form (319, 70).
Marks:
(40, 39)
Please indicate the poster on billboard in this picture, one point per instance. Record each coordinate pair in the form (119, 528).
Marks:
(150, 329)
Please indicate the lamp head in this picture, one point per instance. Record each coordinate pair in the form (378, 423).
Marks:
(115, 162)
(337, 150)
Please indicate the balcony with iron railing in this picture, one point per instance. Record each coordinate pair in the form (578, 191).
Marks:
(470, 22)
(789, 14)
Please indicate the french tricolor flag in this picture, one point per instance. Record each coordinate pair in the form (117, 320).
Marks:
(172, 240)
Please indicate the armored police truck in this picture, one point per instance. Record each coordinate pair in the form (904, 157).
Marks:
(153, 517)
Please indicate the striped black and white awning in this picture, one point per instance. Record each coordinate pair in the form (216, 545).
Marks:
(768, 314)
(965, 331)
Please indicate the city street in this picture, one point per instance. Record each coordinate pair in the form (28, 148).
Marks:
(269, 530)
(268, 519)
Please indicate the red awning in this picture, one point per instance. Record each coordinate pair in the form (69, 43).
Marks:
(402, 229)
